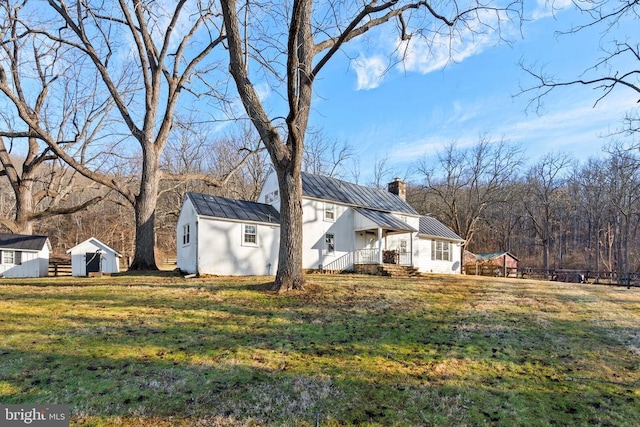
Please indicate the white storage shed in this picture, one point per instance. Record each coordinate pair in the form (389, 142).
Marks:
(93, 256)
(24, 255)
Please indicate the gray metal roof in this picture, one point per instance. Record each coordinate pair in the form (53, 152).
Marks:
(432, 227)
(22, 242)
(385, 220)
(222, 207)
(326, 188)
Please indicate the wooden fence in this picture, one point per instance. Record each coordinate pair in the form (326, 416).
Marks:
(59, 267)
(595, 277)
(560, 275)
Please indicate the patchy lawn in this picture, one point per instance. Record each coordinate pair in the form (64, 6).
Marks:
(443, 350)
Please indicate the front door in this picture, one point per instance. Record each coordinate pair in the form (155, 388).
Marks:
(93, 262)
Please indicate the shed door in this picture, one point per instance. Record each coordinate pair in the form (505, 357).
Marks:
(93, 262)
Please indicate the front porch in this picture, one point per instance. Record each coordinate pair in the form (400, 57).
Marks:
(382, 256)
(392, 263)
(383, 245)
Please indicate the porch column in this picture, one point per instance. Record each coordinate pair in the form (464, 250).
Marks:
(411, 249)
(379, 245)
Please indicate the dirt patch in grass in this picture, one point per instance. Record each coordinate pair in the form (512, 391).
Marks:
(443, 350)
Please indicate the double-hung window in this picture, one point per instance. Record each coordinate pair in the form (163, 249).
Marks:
(8, 257)
(329, 212)
(440, 251)
(250, 235)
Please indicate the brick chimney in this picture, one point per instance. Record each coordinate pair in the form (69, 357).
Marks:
(398, 187)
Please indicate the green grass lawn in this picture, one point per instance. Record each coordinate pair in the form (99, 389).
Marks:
(350, 350)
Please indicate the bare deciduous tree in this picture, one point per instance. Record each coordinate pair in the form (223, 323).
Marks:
(545, 182)
(303, 37)
(467, 182)
(29, 71)
(322, 157)
(624, 196)
(619, 65)
(145, 56)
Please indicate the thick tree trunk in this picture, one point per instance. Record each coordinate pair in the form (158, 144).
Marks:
(24, 205)
(145, 211)
(290, 274)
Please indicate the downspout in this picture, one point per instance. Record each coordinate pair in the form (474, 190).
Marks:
(197, 236)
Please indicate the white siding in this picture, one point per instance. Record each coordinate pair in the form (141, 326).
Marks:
(187, 253)
(269, 189)
(34, 264)
(427, 265)
(221, 250)
(109, 259)
(315, 229)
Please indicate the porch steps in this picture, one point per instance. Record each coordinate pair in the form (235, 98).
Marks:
(394, 270)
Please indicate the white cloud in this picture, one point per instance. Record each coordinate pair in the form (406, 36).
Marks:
(370, 71)
(427, 55)
(429, 49)
(573, 126)
(546, 8)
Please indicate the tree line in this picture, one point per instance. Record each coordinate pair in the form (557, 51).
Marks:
(554, 213)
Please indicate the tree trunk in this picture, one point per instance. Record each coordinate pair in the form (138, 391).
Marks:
(145, 213)
(23, 192)
(24, 209)
(290, 274)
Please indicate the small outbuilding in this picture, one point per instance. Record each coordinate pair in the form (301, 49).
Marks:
(93, 256)
(24, 256)
(491, 264)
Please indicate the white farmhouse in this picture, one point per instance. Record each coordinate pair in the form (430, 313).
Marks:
(222, 236)
(24, 256)
(93, 256)
(346, 227)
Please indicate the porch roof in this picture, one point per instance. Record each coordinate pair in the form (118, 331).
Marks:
(385, 220)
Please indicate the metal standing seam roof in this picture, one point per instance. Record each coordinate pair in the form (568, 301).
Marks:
(242, 210)
(332, 189)
(432, 227)
(22, 242)
(385, 220)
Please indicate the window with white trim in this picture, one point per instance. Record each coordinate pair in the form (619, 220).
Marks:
(8, 257)
(250, 235)
(330, 245)
(329, 212)
(186, 234)
(440, 251)
(403, 246)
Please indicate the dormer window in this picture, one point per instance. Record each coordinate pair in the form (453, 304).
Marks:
(329, 212)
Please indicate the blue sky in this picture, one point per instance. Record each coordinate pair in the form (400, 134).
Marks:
(412, 110)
